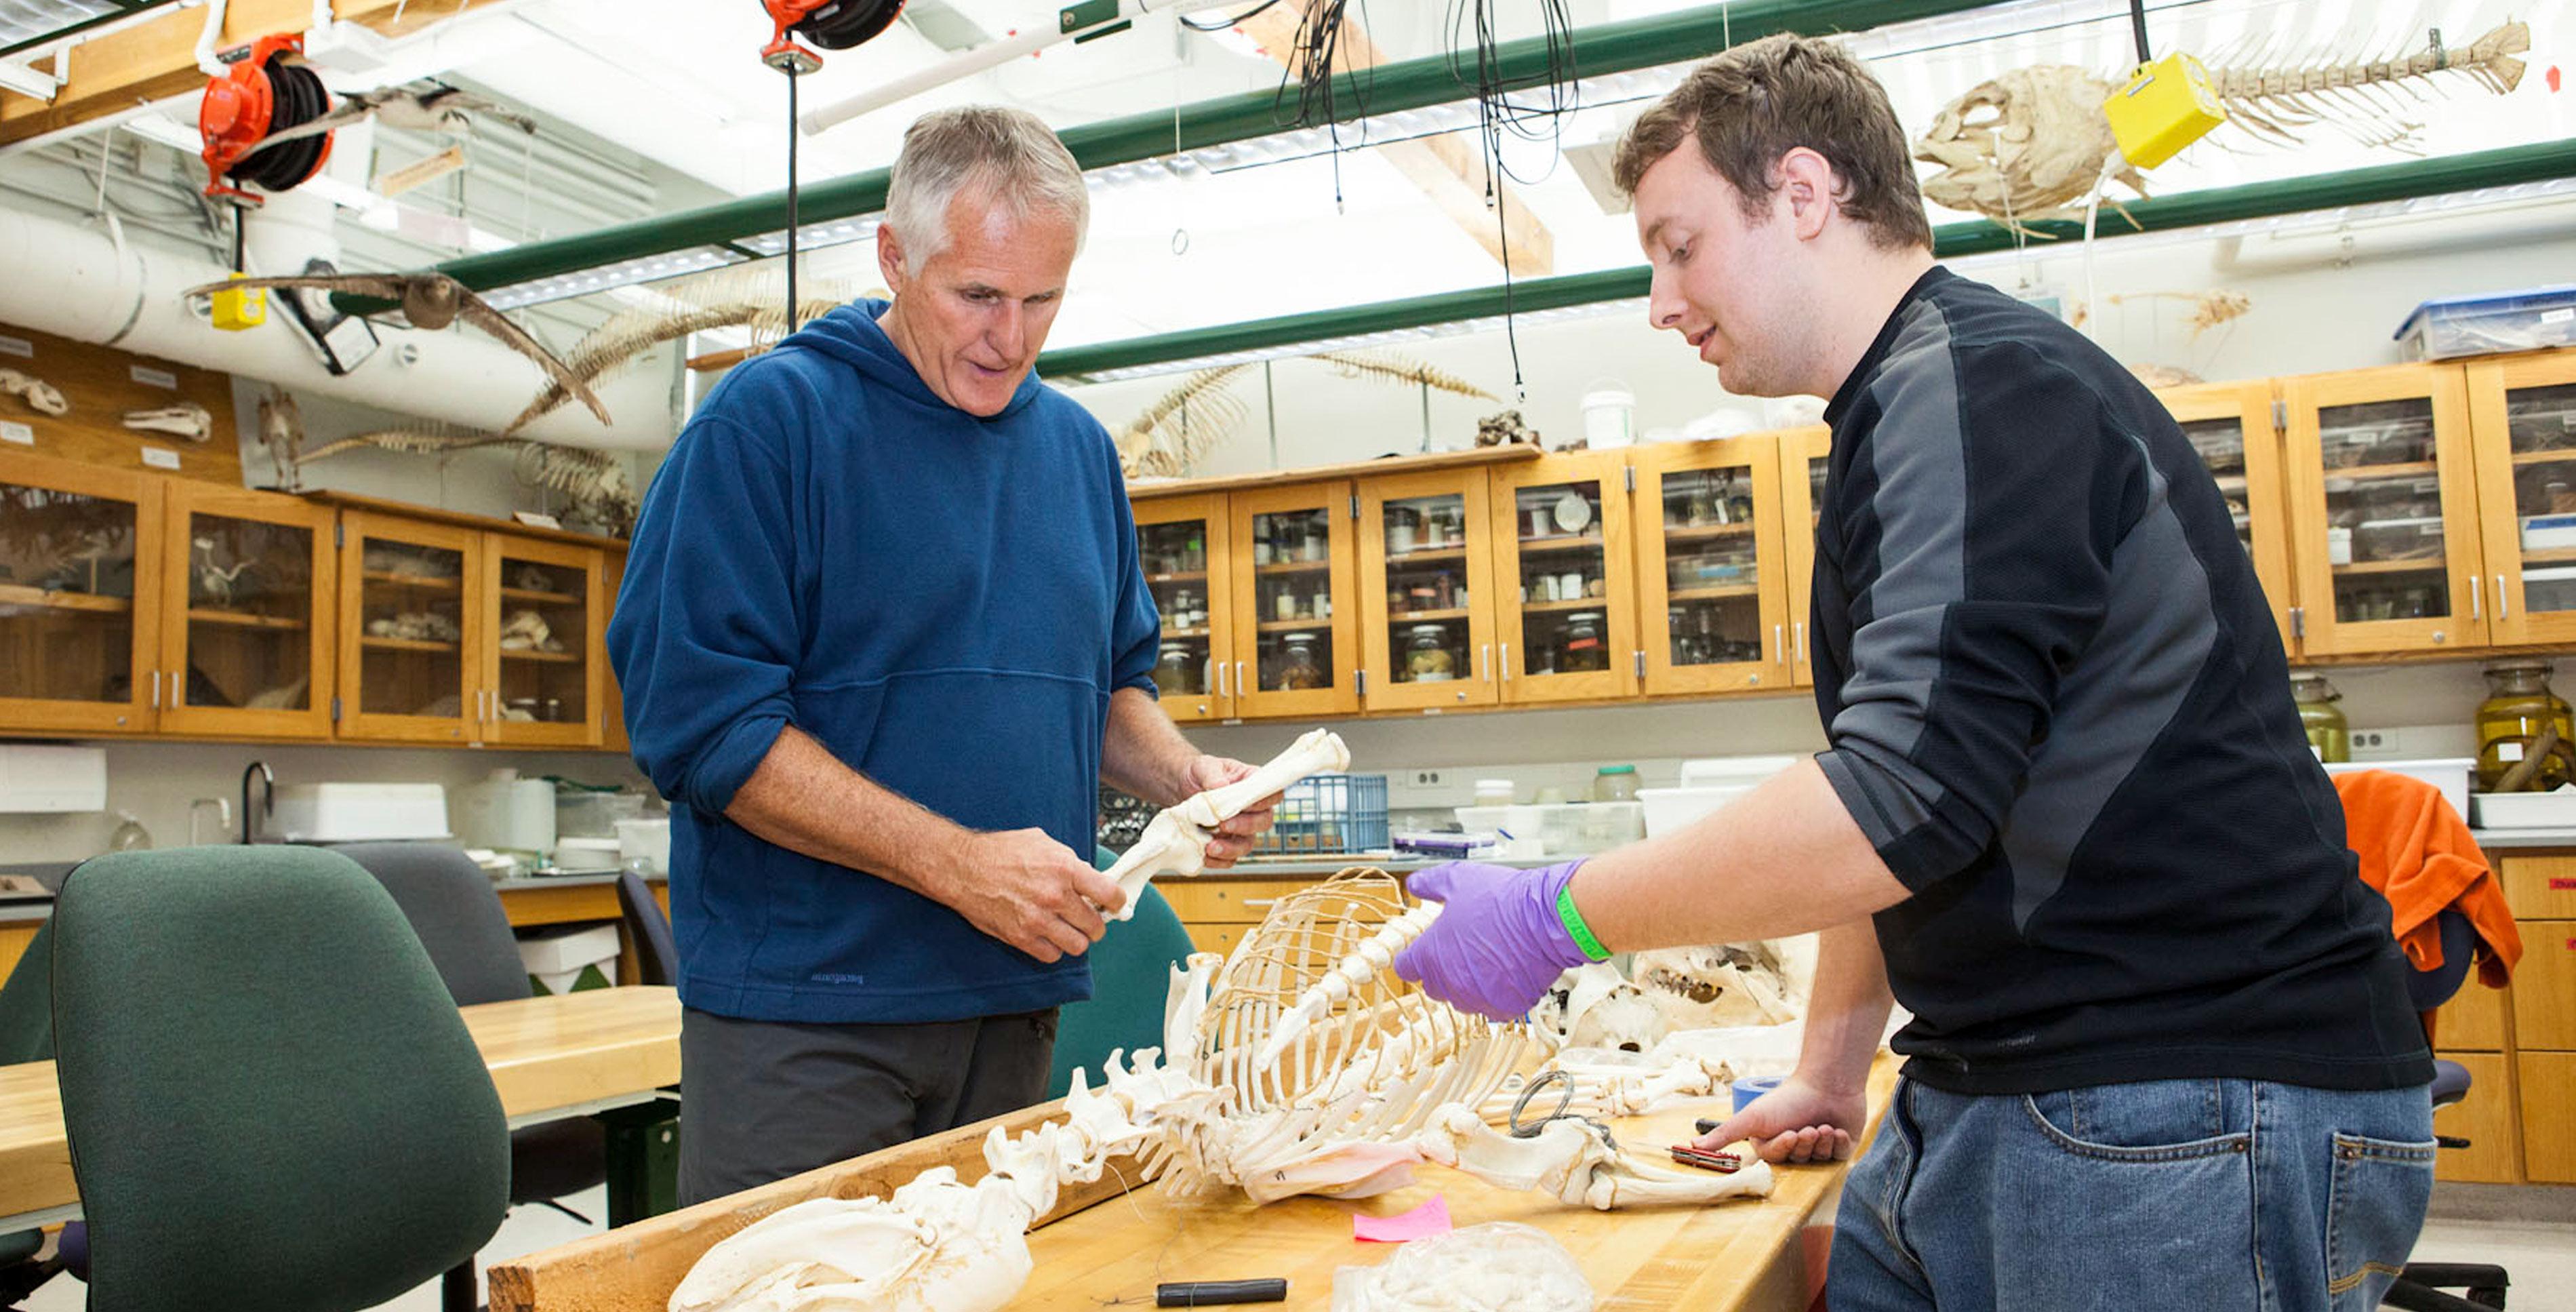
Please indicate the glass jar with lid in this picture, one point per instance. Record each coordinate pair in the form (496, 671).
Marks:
(1615, 783)
(1175, 673)
(2524, 731)
(1427, 658)
(1298, 671)
(2328, 735)
(1583, 650)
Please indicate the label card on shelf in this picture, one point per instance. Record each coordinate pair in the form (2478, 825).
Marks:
(18, 346)
(534, 520)
(18, 433)
(151, 377)
(160, 457)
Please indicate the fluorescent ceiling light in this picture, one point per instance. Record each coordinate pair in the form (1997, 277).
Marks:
(650, 268)
(815, 236)
(26, 21)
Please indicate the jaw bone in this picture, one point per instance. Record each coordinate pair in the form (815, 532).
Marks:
(1175, 841)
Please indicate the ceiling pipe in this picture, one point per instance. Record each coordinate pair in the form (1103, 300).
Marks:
(1388, 89)
(91, 286)
(2512, 166)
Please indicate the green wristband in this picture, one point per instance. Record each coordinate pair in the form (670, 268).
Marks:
(1574, 926)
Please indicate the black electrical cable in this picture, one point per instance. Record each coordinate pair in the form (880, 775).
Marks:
(1497, 113)
(1224, 24)
(2138, 28)
(790, 70)
(298, 97)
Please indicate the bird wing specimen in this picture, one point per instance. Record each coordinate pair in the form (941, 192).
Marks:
(436, 108)
(516, 338)
(720, 298)
(384, 286)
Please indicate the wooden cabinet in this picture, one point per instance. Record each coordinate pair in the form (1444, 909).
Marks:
(2474, 1019)
(2486, 1118)
(2547, 1085)
(80, 576)
(1563, 557)
(2540, 885)
(2232, 427)
(1712, 568)
(2544, 986)
(612, 723)
(2522, 410)
(1181, 547)
(1219, 912)
(1426, 591)
(249, 583)
(542, 659)
(1805, 454)
(411, 630)
(2384, 523)
(1293, 568)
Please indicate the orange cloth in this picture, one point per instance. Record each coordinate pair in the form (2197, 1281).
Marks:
(2418, 853)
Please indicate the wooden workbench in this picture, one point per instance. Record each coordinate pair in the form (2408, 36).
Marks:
(1108, 1243)
(550, 1057)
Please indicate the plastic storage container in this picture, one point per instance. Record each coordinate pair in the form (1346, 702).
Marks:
(1329, 813)
(507, 813)
(358, 813)
(1615, 783)
(2483, 325)
(593, 815)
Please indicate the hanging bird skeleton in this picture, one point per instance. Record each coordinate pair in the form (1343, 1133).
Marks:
(430, 301)
(1184, 424)
(722, 298)
(429, 107)
(1299, 1064)
(2030, 143)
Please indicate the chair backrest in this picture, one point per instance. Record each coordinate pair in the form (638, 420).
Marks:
(274, 1102)
(1131, 974)
(27, 1003)
(657, 959)
(451, 906)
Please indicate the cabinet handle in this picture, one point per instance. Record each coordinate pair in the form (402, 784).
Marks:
(1799, 628)
(175, 689)
(1219, 667)
(2503, 608)
(1241, 688)
(156, 690)
(1507, 662)
(1252, 902)
(1779, 640)
(1485, 663)
(2476, 611)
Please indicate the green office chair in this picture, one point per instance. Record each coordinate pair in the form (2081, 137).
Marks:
(27, 1034)
(273, 1102)
(1130, 977)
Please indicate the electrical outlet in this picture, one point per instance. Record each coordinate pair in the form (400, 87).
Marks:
(1426, 778)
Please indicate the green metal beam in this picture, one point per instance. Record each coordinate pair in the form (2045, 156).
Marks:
(1391, 88)
(2507, 167)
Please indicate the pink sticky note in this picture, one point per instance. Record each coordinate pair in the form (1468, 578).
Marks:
(1432, 1218)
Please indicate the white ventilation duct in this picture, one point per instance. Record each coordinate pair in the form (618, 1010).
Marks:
(83, 283)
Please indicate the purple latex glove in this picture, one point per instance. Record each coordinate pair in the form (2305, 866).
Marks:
(1498, 943)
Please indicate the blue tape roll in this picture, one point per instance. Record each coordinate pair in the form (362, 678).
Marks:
(1752, 1087)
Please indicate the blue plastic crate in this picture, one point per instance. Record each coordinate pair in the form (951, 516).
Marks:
(1329, 813)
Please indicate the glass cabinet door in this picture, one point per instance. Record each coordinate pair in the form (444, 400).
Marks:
(1180, 543)
(2230, 426)
(243, 650)
(1714, 608)
(76, 652)
(2385, 514)
(1561, 549)
(1805, 456)
(409, 626)
(1295, 644)
(544, 657)
(2524, 414)
(1425, 578)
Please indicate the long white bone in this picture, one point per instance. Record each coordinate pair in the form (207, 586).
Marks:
(1575, 1161)
(1175, 841)
(1377, 954)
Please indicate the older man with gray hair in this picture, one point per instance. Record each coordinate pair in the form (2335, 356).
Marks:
(883, 633)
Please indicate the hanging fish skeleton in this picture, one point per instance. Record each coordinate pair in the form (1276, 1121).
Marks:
(2033, 142)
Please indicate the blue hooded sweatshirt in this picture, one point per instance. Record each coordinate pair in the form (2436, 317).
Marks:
(944, 602)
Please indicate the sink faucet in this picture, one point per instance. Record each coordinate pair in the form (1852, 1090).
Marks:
(267, 799)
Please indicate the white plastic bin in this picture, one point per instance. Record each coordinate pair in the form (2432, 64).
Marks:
(576, 957)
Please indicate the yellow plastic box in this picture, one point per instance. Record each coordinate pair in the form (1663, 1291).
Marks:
(2164, 107)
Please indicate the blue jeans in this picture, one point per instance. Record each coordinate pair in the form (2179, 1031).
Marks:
(2203, 1194)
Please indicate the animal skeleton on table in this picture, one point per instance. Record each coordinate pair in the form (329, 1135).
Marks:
(2026, 145)
(1299, 1064)
(430, 301)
